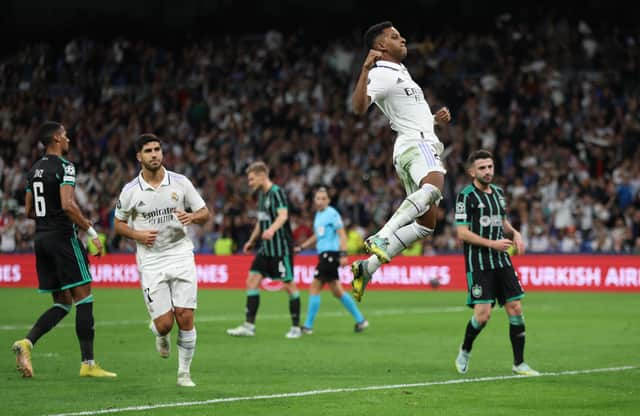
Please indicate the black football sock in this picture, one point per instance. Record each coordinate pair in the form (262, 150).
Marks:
(47, 321)
(84, 327)
(294, 308)
(253, 302)
(473, 329)
(517, 335)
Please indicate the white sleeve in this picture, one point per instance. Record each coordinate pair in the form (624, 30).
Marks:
(378, 84)
(123, 206)
(192, 198)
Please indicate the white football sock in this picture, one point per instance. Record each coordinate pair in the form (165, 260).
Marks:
(411, 208)
(399, 241)
(186, 348)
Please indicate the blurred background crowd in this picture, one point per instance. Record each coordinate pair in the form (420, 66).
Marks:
(555, 100)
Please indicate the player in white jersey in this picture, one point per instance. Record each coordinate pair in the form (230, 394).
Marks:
(385, 81)
(153, 211)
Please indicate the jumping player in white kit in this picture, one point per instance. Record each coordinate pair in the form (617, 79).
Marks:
(154, 210)
(385, 81)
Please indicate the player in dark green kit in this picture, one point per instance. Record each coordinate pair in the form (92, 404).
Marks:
(275, 254)
(482, 224)
(61, 260)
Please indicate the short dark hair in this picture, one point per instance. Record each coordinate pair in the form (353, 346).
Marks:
(373, 32)
(478, 154)
(46, 132)
(146, 138)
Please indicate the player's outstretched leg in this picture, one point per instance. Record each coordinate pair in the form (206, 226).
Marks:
(22, 349)
(379, 247)
(411, 208)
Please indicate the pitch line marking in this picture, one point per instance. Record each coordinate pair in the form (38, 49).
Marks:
(229, 318)
(340, 390)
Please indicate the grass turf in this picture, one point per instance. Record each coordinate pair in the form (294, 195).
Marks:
(413, 338)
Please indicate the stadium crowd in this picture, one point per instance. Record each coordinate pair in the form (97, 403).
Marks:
(555, 101)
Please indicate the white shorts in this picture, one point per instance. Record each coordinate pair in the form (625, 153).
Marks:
(416, 162)
(169, 284)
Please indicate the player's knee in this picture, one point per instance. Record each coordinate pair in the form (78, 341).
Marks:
(514, 309)
(291, 288)
(424, 229)
(184, 313)
(253, 281)
(164, 326)
(483, 317)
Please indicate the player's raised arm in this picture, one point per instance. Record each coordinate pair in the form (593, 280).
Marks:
(360, 100)
(442, 116)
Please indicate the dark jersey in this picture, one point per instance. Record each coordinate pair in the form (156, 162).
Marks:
(269, 203)
(484, 213)
(44, 181)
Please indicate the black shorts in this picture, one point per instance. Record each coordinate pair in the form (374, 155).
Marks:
(485, 286)
(278, 268)
(328, 265)
(61, 262)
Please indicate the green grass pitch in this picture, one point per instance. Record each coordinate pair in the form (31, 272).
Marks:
(413, 339)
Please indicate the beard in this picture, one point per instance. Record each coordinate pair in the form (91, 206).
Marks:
(484, 181)
(152, 167)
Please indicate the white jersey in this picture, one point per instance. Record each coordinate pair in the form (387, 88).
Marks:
(148, 208)
(392, 89)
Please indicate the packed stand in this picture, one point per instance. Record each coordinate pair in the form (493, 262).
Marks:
(556, 102)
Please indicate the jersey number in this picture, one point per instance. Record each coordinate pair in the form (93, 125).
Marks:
(38, 199)
(282, 269)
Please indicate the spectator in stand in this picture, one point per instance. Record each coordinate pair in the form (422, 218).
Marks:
(553, 114)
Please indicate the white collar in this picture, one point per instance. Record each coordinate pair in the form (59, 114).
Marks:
(391, 65)
(166, 180)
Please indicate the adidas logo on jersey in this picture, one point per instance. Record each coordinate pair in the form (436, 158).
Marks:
(399, 81)
(141, 204)
(481, 205)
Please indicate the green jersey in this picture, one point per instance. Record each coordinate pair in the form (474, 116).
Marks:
(484, 213)
(269, 203)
